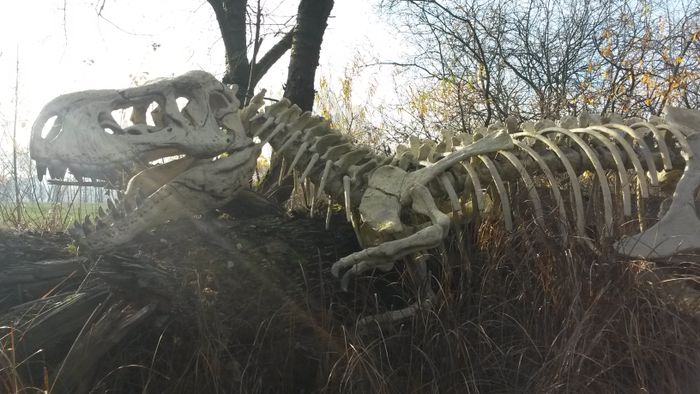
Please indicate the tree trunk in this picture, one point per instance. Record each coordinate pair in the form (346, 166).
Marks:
(231, 15)
(312, 19)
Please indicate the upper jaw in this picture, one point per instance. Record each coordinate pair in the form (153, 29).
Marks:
(84, 136)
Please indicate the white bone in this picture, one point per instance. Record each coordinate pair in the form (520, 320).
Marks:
(644, 150)
(478, 190)
(660, 140)
(324, 178)
(529, 184)
(427, 238)
(553, 185)
(619, 163)
(268, 122)
(501, 189)
(600, 173)
(451, 193)
(573, 179)
(309, 167)
(631, 155)
(300, 152)
(678, 231)
(491, 143)
(289, 141)
(346, 197)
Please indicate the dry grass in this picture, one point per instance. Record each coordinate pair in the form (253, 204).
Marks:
(516, 312)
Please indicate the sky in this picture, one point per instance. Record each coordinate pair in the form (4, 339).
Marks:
(71, 45)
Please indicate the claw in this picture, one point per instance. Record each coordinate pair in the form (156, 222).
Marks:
(41, 171)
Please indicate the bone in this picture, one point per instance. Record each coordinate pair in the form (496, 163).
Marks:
(476, 182)
(378, 256)
(491, 143)
(643, 149)
(41, 170)
(268, 122)
(346, 197)
(324, 178)
(302, 149)
(328, 213)
(529, 184)
(309, 167)
(57, 171)
(680, 137)
(350, 158)
(553, 185)
(660, 141)
(573, 179)
(76, 230)
(323, 143)
(251, 110)
(631, 156)
(678, 231)
(501, 189)
(289, 141)
(451, 193)
(88, 227)
(274, 133)
(336, 152)
(621, 170)
(600, 173)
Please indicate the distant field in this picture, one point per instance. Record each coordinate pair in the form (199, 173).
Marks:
(45, 216)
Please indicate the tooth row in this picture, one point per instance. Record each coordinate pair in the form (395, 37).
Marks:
(117, 209)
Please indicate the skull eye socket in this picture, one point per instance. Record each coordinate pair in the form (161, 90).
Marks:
(218, 101)
(122, 117)
(182, 103)
(51, 127)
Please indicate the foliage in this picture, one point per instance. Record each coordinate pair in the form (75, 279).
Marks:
(485, 61)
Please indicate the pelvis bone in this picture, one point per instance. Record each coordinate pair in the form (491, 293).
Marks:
(678, 230)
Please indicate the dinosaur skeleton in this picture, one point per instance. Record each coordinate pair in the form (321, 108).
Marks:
(400, 205)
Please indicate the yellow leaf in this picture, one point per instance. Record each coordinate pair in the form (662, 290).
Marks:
(679, 59)
(648, 101)
(695, 36)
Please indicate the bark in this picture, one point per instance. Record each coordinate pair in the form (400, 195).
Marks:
(231, 16)
(312, 19)
(77, 319)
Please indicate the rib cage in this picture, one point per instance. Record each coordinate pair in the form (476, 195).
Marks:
(634, 150)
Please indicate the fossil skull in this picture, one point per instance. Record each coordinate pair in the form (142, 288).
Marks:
(85, 137)
(214, 158)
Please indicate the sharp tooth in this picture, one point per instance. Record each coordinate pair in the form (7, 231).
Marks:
(57, 171)
(110, 204)
(88, 227)
(76, 230)
(40, 171)
(140, 198)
